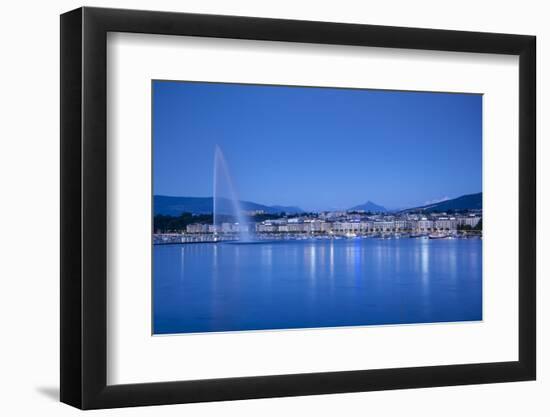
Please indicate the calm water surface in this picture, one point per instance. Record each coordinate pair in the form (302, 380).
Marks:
(317, 283)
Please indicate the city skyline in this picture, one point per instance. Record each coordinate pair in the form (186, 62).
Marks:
(317, 148)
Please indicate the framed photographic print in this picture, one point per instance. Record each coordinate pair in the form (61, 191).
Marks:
(258, 207)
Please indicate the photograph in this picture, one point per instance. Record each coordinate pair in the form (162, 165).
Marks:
(338, 205)
(266, 209)
(280, 207)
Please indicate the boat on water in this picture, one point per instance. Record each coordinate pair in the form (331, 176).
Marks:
(418, 235)
(438, 236)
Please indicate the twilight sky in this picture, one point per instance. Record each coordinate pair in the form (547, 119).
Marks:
(317, 148)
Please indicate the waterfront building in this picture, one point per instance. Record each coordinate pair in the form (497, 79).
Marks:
(266, 227)
(197, 228)
(326, 227)
(424, 225)
(445, 223)
(294, 227)
(335, 214)
(338, 227)
(283, 228)
(384, 226)
(471, 221)
(366, 226)
(234, 228)
(401, 225)
(351, 227)
(316, 226)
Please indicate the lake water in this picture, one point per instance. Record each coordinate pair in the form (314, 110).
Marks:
(315, 283)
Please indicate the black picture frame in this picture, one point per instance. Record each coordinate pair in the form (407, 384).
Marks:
(84, 207)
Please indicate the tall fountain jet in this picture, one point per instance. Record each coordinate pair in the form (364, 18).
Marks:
(225, 199)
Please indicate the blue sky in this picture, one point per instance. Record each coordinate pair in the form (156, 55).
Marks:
(317, 148)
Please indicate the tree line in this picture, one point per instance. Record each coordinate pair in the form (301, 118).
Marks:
(163, 223)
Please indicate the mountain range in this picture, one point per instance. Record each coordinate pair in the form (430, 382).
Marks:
(465, 202)
(174, 206)
(370, 206)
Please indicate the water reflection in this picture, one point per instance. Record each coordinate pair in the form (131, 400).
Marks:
(425, 259)
(222, 287)
(267, 256)
(453, 259)
(331, 262)
(425, 277)
(311, 252)
(215, 257)
(182, 263)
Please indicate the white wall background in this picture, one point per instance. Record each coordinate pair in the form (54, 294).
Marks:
(29, 175)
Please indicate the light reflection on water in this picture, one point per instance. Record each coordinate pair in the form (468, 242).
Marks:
(301, 284)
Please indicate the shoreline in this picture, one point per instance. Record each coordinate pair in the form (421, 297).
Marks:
(173, 240)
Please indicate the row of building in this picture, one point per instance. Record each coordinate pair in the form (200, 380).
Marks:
(359, 227)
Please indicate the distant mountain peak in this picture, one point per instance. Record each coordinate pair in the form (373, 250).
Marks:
(369, 206)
